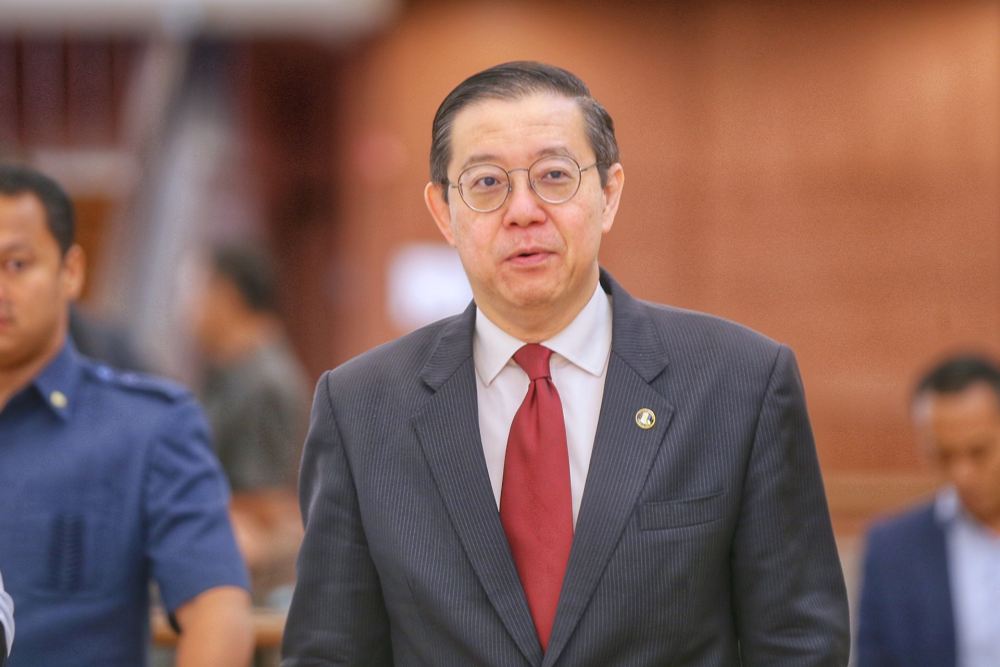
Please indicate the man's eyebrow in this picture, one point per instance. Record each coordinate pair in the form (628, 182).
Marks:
(555, 150)
(14, 246)
(478, 158)
(481, 158)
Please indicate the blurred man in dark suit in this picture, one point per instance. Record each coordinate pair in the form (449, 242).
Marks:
(931, 590)
(562, 474)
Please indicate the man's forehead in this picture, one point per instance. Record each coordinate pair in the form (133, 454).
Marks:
(540, 123)
(21, 207)
(968, 410)
(22, 220)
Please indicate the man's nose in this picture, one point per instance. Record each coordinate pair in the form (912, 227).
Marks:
(523, 205)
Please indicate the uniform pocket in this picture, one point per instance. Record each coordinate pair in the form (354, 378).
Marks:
(681, 513)
(57, 554)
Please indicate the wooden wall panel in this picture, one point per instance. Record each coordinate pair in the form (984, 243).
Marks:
(8, 97)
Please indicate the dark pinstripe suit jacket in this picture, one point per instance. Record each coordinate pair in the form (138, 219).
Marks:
(704, 541)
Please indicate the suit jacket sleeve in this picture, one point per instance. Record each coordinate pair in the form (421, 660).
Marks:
(790, 599)
(337, 616)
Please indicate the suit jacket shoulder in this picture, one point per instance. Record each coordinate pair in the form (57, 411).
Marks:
(695, 330)
(910, 529)
(400, 364)
(699, 349)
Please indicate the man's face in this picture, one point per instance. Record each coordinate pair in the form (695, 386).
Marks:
(962, 433)
(36, 283)
(211, 307)
(529, 261)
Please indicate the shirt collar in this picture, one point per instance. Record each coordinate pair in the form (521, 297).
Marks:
(585, 343)
(57, 383)
(949, 510)
(947, 506)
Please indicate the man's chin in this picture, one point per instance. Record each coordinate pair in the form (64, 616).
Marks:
(14, 354)
(531, 297)
(977, 508)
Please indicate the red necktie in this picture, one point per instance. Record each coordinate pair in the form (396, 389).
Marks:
(536, 507)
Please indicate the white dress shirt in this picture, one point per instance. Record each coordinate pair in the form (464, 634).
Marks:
(7, 616)
(579, 365)
(974, 573)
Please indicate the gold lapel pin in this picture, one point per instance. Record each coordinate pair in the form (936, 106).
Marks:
(58, 399)
(645, 419)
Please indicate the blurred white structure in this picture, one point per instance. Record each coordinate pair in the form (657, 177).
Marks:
(328, 19)
(426, 282)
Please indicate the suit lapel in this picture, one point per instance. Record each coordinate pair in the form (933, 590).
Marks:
(447, 427)
(622, 456)
(937, 583)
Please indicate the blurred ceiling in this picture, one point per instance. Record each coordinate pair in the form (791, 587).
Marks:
(327, 19)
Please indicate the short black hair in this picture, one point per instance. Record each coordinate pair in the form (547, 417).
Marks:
(18, 179)
(511, 81)
(957, 373)
(250, 271)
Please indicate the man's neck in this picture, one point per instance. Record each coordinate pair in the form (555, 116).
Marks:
(17, 376)
(991, 524)
(243, 339)
(534, 325)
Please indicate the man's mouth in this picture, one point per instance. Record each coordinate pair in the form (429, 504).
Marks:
(529, 256)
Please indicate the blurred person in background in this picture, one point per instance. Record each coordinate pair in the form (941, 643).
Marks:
(255, 394)
(104, 341)
(107, 480)
(931, 588)
(562, 474)
(6, 623)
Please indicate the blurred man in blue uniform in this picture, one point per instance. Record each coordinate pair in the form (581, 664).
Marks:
(107, 480)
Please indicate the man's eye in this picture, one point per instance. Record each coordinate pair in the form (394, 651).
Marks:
(15, 265)
(979, 454)
(555, 175)
(486, 182)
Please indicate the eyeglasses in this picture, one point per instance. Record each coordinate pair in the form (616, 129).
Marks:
(485, 187)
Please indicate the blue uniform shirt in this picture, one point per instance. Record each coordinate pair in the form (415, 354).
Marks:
(107, 480)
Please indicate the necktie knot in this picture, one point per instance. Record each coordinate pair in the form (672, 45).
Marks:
(534, 360)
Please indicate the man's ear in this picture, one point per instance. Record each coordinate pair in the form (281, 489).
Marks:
(439, 209)
(612, 195)
(74, 270)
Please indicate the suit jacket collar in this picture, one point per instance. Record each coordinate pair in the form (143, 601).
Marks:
(447, 426)
(635, 338)
(453, 348)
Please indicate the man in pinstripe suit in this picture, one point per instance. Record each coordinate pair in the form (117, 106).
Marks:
(698, 527)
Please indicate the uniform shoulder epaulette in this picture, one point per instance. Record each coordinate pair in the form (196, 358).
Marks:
(139, 382)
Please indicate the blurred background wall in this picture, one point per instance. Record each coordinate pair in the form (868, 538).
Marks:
(827, 173)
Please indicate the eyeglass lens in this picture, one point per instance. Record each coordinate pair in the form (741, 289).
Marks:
(554, 179)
